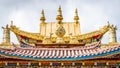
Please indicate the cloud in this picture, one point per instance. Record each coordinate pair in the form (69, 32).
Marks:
(26, 13)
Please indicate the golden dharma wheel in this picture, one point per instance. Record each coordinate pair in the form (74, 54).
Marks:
(60, 32)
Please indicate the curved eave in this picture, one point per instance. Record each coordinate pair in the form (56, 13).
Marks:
(37, 36)
(16, 30)
(100, 32)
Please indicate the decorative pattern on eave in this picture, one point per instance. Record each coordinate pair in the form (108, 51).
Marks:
(60, 54)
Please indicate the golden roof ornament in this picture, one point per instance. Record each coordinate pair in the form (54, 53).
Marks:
(59, 14)
(47, 40)
(6, 38)
(6, 34)
(112, 34)
(42, 16)
(74, 40)
(76, 17)
(108, 24)
(11, 23)
(60, 32)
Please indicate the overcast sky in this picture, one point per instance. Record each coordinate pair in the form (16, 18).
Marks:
(26, 13)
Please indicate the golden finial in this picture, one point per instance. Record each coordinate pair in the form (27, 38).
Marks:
(42, 13)
(42, 16)
(59, 11)
(59, 14)
(11, 22)
(76, 17)
(76, 12)
(108, 24)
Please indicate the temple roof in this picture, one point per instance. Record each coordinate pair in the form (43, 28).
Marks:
(77, 53)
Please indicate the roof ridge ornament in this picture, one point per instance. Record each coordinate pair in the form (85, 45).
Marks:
(76, 17)
(60, 32)
(59, 17)
(108, 23)
(76, 12)
(59, 11)
(73, 39)
(6, 38)
(42, 18)
(11, 24)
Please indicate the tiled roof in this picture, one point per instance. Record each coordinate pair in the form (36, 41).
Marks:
(77, 53)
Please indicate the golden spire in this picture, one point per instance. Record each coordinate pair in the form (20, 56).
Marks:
(76, 17)
(59, 11)
(42, 16)
(59, 14)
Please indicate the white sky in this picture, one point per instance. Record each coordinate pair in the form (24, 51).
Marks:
(26, 13)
